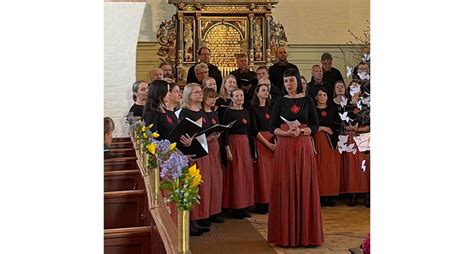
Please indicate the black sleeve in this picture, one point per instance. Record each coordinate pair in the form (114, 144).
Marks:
(313, 122)
(151, 118)
(253, 122)
(225, 120)
(275, 120)
(191, 75)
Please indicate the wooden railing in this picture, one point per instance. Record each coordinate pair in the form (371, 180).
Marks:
(135, 220)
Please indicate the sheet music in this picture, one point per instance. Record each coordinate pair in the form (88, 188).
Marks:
(291, 124)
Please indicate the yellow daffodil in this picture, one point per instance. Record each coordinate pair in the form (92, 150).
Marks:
(152, 148)
(155, 134)
(143, 129)
(144, 135)
(193, 170)
(196, 181)
(172, 146)
(149, 126)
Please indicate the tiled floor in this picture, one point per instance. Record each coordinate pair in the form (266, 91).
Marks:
(344, 228)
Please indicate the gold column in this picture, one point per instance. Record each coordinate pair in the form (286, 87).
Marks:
(198, 32)
(268, 39)
(179, 26)
(183, 231)
(251, 53)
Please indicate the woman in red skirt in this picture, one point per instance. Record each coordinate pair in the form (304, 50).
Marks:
(356, 170)
(238, 177)
(211, 118)
(326, 141)
(191, 108)
(294, 217)
(260, 114)
(340, 101)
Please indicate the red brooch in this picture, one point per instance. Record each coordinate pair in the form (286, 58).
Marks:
(169, 120)
(267, 116)
(204, 120)
(295, 109)
(324, 114)
(356, 110)
(244, 120)
(213, 121)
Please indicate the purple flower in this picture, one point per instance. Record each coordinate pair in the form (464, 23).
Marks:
(173, 166)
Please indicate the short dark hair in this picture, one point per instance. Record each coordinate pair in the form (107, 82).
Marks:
(165, 63)
(293, 72)
(326, 56)
(262, 67)
(201, 48)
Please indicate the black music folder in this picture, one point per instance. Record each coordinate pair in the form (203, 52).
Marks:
(216, 128)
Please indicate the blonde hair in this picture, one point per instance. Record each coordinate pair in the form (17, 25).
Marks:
(188, 89)
(200, 66)
(222, 91)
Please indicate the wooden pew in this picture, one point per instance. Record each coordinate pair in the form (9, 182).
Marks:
(121, 139)
(123, 180)
(125, 209)
(123, 152)
(125, 144)
(123, 163)
(135, 240)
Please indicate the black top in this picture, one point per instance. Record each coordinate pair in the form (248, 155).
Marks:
(213, 72)
(137, 110)
(276, 73)
(193, 115)
(313, 89)
(260, 119)
(360, 116)
(328, 117)
(332, 76)
(301, 109)
(210, 119)
(275, 92)
(220, 109)
(248, 75)
(242, 126)
(163, 123)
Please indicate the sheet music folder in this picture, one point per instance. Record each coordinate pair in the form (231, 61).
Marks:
(216, 128)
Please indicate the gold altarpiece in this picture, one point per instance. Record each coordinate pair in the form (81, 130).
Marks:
(225, 27)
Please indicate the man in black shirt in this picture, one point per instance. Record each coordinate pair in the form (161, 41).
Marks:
(204, 55)
(246, 78)
(331, 74)
(276, 70)
(264, 78)
(317, 81)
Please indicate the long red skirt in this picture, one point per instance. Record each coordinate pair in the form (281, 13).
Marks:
(355, 179)
(201, 211)
(294, 217)
(263, 170)
(329, 175)
(216, 177)
(339, 164)
(238, 176)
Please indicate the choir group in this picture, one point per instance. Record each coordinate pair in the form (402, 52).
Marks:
(283, 154)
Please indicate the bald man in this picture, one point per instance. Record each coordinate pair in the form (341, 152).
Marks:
(276, 70)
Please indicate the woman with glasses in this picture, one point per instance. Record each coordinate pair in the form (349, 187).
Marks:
(191, 108)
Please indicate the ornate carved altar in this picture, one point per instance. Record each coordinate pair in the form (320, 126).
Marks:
(225, 27)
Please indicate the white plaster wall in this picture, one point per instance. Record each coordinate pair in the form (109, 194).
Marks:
(121, 27)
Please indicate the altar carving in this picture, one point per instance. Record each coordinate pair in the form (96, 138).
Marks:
(226, 28)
